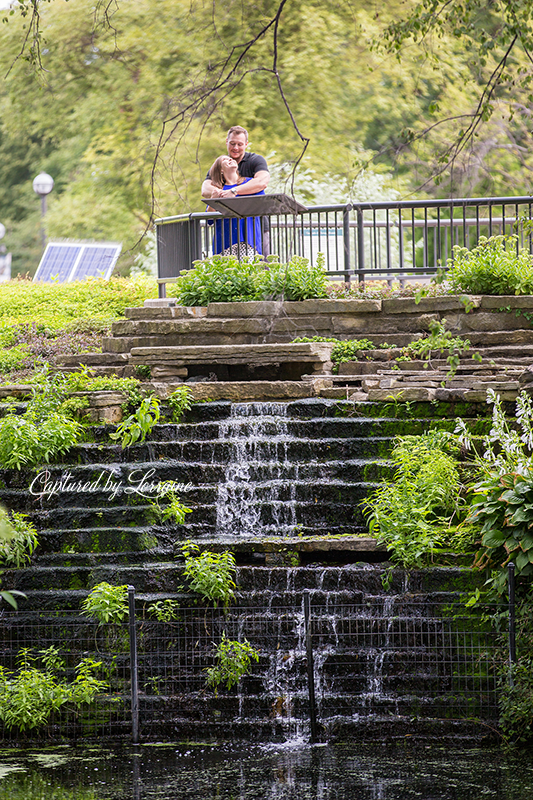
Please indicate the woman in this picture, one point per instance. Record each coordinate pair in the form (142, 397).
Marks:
(234, 236)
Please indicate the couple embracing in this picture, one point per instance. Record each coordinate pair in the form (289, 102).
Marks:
(237, 174)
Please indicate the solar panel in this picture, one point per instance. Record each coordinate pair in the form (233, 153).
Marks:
(63, 262)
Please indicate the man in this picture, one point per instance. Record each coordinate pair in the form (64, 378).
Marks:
(250, 165)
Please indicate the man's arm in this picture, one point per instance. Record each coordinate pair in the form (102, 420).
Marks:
(210, 190)
(256, 184)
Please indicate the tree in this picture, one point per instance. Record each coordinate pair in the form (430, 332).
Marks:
(127, 105)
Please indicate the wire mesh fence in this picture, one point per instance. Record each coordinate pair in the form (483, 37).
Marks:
(393, 657)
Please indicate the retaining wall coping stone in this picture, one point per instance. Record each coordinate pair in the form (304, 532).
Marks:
(408, 305)
(504, 300)
(237, 353)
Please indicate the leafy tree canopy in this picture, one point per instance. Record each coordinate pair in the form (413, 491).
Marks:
(127, 104)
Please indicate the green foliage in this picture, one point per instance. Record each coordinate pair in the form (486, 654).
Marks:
(29, 696)
(180, 401)
(85, 381)
(61, 304)
(175, 511)
(502, 495)
(164, 610)
(12, 358)
(233, 661)
(139, 424)
(515, 700)
(18, 549)
(226, 279)
(411, 513)
(496, 266)
(210, 574)
(439, 341)
(107, 603)
(35, 439)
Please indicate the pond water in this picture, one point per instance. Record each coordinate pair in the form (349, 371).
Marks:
(230, 772)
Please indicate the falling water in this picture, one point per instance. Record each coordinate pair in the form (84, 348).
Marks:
(258, 493)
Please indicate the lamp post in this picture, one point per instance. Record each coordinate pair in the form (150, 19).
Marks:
(43, 185)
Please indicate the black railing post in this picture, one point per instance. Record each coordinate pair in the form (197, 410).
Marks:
(310, 666)
(512, 617)
(361, 245)
(346, 241)
(133, 666)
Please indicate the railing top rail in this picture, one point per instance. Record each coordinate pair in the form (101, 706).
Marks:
(445, 203)
(452, 202)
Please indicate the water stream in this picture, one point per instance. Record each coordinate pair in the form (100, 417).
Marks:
(258, 493)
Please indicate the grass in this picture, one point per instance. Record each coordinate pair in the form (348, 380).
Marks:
(41, 322)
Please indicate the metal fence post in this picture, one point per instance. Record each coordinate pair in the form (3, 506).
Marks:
(310, 666)
(361, 245)
(512, 617)
(133, 666)
(346, 241)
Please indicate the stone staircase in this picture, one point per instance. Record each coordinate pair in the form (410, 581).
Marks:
(245, 351)
(275, 482)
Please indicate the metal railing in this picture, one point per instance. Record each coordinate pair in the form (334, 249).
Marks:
(395, 655)
(407, 240)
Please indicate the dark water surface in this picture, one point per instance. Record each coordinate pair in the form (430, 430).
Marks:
(230, 772)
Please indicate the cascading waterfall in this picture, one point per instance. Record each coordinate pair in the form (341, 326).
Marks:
(258, 494)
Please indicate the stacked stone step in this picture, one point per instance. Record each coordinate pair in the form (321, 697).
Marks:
(203, 346)
(96, 519)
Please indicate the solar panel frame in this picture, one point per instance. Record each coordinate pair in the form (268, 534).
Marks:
(77, 261)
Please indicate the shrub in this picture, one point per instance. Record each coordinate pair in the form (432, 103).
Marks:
(139, 424)
(180, 401)
(210, 574)
(411, 513)
(62, 304)
(495, 266)
(502, 496)
(107, 603)
(226, 279)
(29, 696)
(18, 549)
(233, 661)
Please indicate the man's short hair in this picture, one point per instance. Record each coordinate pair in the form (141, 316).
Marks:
(237, 129)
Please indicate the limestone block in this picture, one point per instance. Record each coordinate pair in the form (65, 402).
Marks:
(249, 391)
(95, 360)
(251, 308)
(17, 390)
(370, 383)
(358, 397)
(102, 399)
(383, 324)
(336, 393)
(303, 326)
(504, 301)
(159, 302)
(408, 305)
(168, 373)
(487, 321)
(324, 306)
(403, 395)
(107, 414)
(254, 354)
(474, 396)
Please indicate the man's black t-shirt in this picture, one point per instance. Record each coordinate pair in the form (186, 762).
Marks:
(249, 164)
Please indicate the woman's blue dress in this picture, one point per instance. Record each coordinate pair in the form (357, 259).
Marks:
(232, 231)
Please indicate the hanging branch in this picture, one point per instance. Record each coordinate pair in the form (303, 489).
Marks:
(209, 96)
